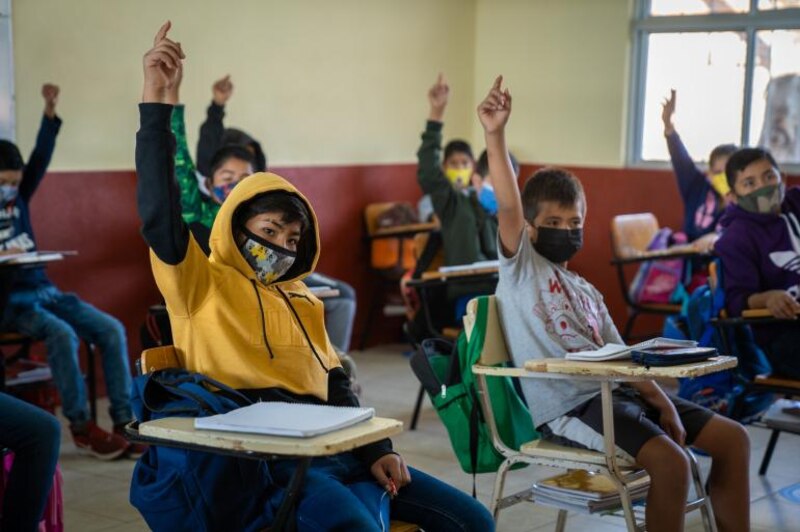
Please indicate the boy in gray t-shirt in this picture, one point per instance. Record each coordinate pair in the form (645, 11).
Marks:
(547, 310)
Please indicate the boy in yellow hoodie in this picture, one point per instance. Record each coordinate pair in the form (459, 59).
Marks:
(244, 317)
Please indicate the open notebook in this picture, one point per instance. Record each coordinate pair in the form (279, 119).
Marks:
(286, 419)
(619, 351)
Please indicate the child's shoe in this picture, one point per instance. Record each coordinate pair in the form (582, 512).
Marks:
(96, 441)
(135, 450)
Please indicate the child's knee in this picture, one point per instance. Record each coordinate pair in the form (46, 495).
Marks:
(666, 462)
(60, 335)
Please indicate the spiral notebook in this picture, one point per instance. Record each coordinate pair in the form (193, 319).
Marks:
(286, 419)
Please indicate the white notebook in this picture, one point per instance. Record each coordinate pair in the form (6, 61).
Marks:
(286, 419)
(619, 351)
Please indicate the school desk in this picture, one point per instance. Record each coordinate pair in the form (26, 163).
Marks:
(403, 231)
(179, 432)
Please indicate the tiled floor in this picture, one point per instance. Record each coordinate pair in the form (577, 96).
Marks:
(96, 493)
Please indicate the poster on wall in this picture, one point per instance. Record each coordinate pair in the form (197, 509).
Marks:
(781, 131)
(6, 73)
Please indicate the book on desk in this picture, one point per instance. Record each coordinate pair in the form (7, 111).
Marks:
(33, 257)
(297, 420)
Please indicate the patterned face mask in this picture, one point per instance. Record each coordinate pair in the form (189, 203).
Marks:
(8, 193)
(269, 262)
(223, 191)
(765, 200)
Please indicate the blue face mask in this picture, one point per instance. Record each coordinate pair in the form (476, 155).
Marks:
(222, 192)
(8, 193)
(487, 199)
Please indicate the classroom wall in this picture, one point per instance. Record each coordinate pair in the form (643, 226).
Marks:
(565, 64)
(318, 82)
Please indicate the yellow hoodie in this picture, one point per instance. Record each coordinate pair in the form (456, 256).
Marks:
(215, 306)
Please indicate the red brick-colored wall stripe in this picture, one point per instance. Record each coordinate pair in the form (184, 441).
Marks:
(95, 214)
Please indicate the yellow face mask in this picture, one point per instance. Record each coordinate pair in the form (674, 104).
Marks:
(459, 176)
(719, 183)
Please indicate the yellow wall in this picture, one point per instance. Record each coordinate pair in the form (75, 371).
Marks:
(333, 81)
(317, 81)
(565, 63)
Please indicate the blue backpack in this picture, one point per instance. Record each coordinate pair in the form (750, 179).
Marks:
(177, 489)
(719, 391)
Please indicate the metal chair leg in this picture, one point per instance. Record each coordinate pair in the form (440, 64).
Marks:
(629, 325)
(497, 493)
(91, 376)
(773, 440)
(417, 408)
(561, 521)
(706, 510)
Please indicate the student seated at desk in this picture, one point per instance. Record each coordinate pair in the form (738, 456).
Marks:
(547, 310)
(245, 318)
(759, 249)
(40, 310)
(469, 232)
(704, 195)
(232, 159)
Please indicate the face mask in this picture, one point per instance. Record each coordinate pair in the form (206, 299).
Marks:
(459, 176)
(270, 262)
(765, 200)
(487, 199)
(558, 245)
(8, 193)
(223, 191)
(719, 183)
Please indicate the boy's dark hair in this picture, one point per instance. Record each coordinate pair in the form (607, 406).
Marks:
(10, 157)
(741, 159)
(457, 146)
(225, 153)
(551, 184)
(723, 150)
(290, 205)
(482, 167)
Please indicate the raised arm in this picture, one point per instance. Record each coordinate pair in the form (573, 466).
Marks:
(494, 112)
(212, 129)
(690, 178)
(158, 197)
(430, 176)
(45, 144)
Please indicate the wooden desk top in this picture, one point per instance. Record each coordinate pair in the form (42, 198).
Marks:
(675, 252)
(326, 293)
(427, 276)
(619, 369)
(758, 313)
(181, 430)
(404, 230)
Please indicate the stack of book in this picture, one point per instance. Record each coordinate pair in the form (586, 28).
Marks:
(586, 492)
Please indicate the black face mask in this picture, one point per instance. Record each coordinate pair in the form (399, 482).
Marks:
(558, 245)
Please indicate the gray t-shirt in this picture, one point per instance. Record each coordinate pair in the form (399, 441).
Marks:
(547, 311)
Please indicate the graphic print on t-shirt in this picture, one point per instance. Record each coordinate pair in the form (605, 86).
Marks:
(570, 319)
(704, 215)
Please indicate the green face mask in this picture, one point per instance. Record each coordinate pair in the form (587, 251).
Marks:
(765, 200)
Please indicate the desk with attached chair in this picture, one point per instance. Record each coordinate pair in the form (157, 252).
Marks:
(494, 362)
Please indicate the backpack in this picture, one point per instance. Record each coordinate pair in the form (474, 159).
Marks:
(656, 281)
(445, 371)
(181, 490)
(719, 391)
(53, 515)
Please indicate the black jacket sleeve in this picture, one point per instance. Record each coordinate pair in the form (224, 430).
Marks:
(40, 157)
(157, 192)
(210, 138)
(340, 394)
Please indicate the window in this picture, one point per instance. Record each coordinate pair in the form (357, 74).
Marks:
(6, 73)
(735, 67)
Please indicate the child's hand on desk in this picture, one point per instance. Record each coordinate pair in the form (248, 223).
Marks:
(782, 305)
(437, 97)
(162, 67)
(495, 109)
(391, 472)
(705, 244)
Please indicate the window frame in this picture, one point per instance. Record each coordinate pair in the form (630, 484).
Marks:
(644, 24)
(7, 99)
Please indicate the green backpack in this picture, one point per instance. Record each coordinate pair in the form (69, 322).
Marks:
(451, 386)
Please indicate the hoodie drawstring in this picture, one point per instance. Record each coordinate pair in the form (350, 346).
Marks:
(302, 327)
(263, 321)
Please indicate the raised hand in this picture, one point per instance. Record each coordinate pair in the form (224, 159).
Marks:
(50, 94)
(495, 109)
(162, 67)
(222, 90)
(174, 90)
(667, 111)
(437, 98)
